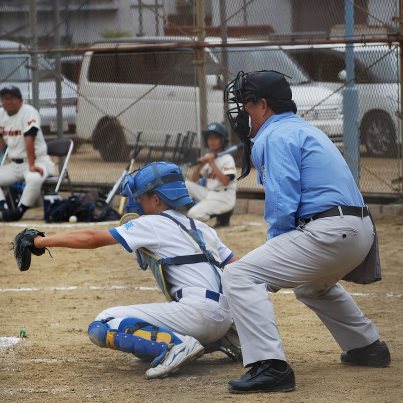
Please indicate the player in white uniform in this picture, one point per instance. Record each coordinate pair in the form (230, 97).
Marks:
(171, 333)
(20, 130)
(218, 195)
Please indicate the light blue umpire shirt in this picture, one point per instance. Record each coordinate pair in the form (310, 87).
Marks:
(302, 172)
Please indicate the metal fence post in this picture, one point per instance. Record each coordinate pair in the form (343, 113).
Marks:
(201, 70)
(33, 20)
(401, 92)
(351, 138)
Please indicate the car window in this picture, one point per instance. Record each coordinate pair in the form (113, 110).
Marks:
(383, 65)
(14, 68)
(371, 66)
(319, 64)
(254, 59)
(146, 67)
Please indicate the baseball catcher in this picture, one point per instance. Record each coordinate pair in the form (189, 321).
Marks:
(186, 257)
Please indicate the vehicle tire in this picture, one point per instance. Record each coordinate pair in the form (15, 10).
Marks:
(378, 134)
(109, 139)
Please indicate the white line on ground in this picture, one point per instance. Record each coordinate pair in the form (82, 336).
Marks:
(140, 288)
(42, 391)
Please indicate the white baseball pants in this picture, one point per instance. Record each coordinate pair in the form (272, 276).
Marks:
(210, 202)
(204, 319)
(13, 172)
(311, 261)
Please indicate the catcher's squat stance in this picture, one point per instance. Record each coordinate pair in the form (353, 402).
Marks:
(168, 334)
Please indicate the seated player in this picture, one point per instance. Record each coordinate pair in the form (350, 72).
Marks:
(21, 132)
(218, 196)
(169, 334)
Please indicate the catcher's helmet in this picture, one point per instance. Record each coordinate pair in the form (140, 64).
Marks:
(164, 178)
(216, 128)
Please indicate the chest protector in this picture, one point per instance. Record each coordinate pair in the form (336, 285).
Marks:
(208, 253)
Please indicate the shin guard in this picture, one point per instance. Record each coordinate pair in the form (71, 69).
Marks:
(134, 336)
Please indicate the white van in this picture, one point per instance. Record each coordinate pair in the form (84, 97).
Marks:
(15, 69)
(129, 87)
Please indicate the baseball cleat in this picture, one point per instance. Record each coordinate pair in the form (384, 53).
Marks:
(263, 377)
(375, 355)
(177, 357)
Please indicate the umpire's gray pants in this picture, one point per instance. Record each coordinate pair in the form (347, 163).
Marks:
(310, 260)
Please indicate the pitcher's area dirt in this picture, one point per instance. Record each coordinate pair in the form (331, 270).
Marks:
(57, 298)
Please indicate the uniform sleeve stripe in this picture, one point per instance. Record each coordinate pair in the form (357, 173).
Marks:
(229, 257)
(120, 239)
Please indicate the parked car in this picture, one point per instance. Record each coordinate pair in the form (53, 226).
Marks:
(16, 69)
(314, 102)
(377, 82)
(135, 86)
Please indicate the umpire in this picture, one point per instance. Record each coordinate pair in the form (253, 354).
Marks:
(320, 231)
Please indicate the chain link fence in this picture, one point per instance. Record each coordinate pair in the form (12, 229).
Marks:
(141, 78)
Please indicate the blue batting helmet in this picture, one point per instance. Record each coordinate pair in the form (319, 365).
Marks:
(164, 178)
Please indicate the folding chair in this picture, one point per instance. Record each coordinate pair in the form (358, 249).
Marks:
(176, 151)
(61, 148)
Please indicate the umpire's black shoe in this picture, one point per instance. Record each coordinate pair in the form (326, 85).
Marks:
(375, 355)
(265, 377)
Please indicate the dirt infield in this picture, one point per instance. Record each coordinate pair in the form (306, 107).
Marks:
(56, 299)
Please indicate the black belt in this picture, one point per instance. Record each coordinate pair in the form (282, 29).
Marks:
(338, 211)
(18, 160)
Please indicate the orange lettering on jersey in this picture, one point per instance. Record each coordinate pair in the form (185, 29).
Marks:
(12, 133)
(31, 121)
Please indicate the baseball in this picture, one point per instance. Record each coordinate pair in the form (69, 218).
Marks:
(73, 219)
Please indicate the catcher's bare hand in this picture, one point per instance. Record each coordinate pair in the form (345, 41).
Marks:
(23, 246)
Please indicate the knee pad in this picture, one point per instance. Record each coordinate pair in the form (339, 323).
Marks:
(98, 333)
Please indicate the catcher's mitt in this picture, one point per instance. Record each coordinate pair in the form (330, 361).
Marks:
(23, 246)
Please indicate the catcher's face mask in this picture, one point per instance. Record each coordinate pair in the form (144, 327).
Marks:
(127, 187)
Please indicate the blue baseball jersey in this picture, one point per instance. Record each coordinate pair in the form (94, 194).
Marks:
(302, 172)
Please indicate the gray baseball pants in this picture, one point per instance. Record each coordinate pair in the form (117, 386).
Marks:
(311, 260)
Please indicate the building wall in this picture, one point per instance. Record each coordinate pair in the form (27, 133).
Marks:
(94, 17)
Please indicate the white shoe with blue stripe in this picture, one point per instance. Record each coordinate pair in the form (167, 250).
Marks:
(177, 357)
